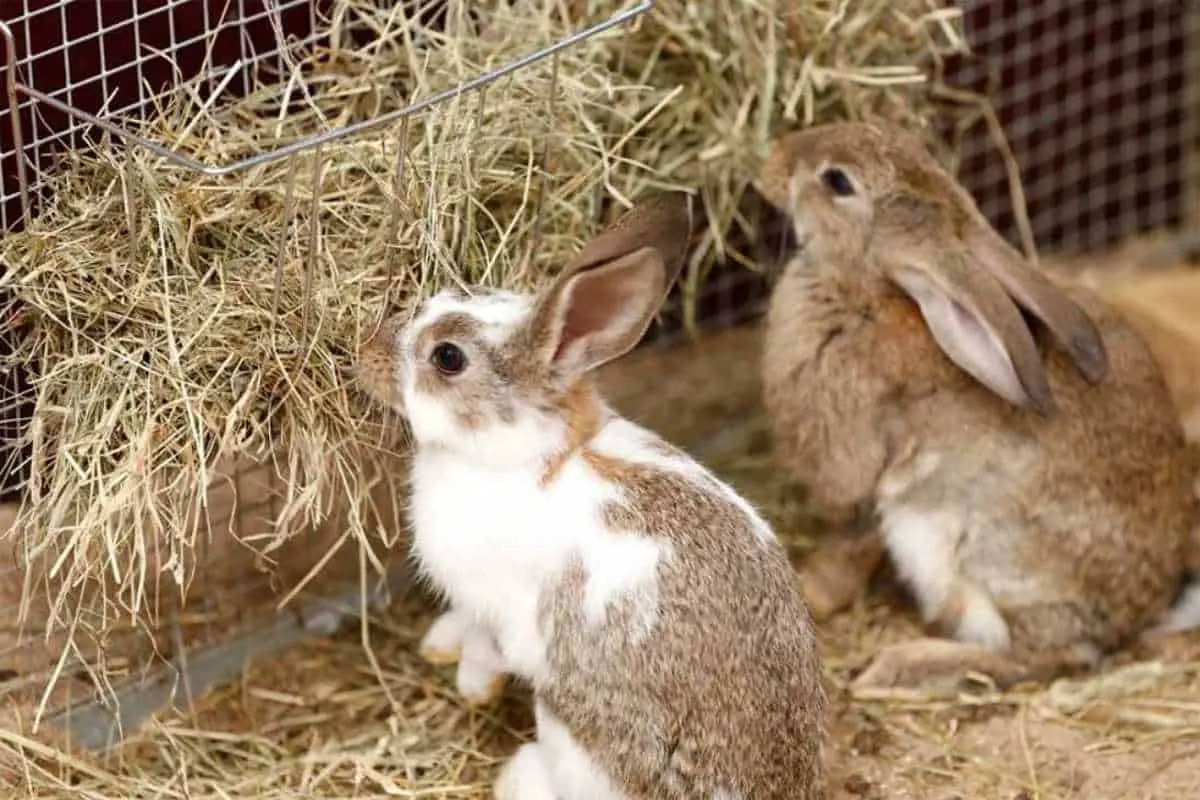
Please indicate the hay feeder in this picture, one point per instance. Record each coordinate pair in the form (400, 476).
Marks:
(173, 518)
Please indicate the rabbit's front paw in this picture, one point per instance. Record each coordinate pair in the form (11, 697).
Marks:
(480, 677)
(838, 571)
(443, 642)
(525, 777)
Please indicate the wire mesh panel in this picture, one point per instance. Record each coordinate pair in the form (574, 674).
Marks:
(117, 59)
(120, 60)
(1098, 102)
(1098, 108)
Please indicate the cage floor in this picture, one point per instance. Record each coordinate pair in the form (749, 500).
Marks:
(322, 721)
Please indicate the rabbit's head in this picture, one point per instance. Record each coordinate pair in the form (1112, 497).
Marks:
(870, 199)
(498, 373)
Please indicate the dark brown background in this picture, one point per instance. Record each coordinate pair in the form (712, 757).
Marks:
(1115, 102)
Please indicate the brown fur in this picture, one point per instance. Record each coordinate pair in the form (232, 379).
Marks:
(670, 717)
(583, 415)
(838, 572)
(1079, 519)
(374, 368)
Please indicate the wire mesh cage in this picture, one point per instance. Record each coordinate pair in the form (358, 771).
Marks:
(1099, 109)
(1097, 103)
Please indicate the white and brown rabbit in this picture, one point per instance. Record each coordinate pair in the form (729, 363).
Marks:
(1012, 439)
(651, 609)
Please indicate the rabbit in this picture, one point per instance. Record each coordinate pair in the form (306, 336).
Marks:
(1009, 440)
(649, 606)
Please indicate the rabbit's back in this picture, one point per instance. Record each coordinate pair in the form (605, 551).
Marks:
(711, 681)
(1106, 506)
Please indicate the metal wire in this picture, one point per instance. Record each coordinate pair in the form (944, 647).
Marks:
(1096, 106)
(17, 87)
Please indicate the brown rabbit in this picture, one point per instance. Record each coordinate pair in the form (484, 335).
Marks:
(1013, 440)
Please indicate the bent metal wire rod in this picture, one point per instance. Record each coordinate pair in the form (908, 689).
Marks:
(16, 88)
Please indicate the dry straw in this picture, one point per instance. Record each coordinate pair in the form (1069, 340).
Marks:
(319, 721)
(177, 321)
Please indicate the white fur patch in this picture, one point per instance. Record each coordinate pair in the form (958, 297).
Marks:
(1185, 614)
(481, 671)
(981, 623)
(430, 419)
(492, 538)
(525, 776)
(623, 566)
(499, 309)
(514, 445)
(574, 773)
(922, 545)
(498, 312)
(445, 636)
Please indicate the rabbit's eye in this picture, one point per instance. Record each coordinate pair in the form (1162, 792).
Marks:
(448, 359)
(837, 182)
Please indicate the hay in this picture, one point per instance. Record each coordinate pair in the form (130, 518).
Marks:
(225, 330)
(179, 321)
(319, 722)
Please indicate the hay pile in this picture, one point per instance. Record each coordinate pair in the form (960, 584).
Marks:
(319, 721)
(178, 321)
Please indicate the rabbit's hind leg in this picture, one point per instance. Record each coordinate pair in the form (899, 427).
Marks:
(838, 572)
(575, 773)
(937, 667)
(944, 666)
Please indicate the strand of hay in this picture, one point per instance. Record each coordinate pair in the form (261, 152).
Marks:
(178, 321)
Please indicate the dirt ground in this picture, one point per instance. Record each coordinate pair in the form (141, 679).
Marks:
(322, 721)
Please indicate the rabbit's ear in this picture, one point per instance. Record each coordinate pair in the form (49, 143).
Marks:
(976, 325)
(1038, 295)
(662, 220)
(603, 312)
(605, 299)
